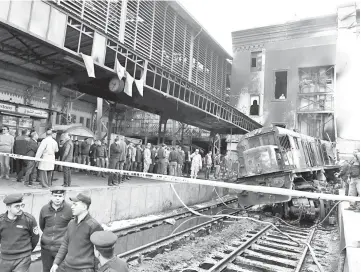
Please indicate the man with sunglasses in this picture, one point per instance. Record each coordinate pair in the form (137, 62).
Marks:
(19, 236)
(53, 221)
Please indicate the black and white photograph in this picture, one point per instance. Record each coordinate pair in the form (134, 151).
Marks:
(180, 136)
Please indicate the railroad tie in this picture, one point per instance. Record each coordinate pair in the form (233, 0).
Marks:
(281, 252)
(269, 267)
(266, 257)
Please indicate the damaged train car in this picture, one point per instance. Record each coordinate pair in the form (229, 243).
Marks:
(282, 158)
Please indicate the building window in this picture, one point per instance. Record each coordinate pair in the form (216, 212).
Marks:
(73, 119)
(254, 108)
(88, 122)
(256, 61)
(281, 85)
(81, 120)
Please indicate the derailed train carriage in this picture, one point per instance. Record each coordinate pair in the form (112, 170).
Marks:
(282, 158)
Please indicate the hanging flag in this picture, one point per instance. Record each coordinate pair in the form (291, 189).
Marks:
(140, 83)
(89, 64)
(128, 84)
(119, 69)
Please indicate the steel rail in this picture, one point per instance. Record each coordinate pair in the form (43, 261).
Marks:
(132, 252)
(304, 253)
(221, 265)
(178, 215)
(153, 223)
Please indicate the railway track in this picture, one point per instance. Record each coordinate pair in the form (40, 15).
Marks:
(263, 249)
(123, 231)
(171, 242)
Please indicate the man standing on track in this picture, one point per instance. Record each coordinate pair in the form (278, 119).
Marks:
(67, 156)
(53, 221)
(19, 235)
(76, 253)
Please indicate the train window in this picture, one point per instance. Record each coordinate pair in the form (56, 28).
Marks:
(268, 139)
(296, 143)
(285, 142)
(254, 142)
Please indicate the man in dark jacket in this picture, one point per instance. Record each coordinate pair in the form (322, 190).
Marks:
(31, 148)
(104, 243)
(20, 145)
(100, 155)
(114, 155)
(84, 151)
(53, 221)
(76, 153)
(138, 159)
(19, 235)
(67, 156)
(173, 162)
(76, 252)
(122, 158)
(161, 160)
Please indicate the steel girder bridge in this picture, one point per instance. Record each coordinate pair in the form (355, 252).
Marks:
(44, 40)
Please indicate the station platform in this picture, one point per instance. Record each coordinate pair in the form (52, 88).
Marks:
(350, 222)
(133, 198)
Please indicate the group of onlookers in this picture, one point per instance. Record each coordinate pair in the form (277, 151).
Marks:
(159, 159)
(71, 241)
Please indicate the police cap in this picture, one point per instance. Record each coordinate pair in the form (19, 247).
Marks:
(57, 190)
(13, 198)
(82, 198)
(103, 239)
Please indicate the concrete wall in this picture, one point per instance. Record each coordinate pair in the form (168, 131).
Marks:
(126, 202)
(284, 111)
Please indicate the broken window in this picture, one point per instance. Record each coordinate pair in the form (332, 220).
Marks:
(285, 142)
(296, 143)
(281, 85)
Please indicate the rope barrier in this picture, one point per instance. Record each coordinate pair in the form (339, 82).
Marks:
(174, 179)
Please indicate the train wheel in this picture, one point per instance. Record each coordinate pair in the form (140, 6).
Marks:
(286, 210)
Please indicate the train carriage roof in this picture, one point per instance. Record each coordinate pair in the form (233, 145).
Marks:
(279, 130)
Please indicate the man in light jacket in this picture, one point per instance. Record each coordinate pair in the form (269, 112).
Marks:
(47, 149)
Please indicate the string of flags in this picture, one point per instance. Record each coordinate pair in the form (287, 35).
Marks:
(121, 73)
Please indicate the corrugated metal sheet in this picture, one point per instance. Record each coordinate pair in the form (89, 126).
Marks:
(157, 32)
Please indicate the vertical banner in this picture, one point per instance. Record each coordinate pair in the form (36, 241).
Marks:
(89, 64)
(128, 84)
(140, 83)
(119, 69)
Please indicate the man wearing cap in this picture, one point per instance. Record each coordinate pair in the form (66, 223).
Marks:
(47, 149)
(19, 236)
(76, 253)
(53, 221)
(104, 242)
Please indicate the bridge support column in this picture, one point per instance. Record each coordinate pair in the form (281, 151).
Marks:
(52, 115)
(110, 122)
(162, 129)
(216, 142)
(99, 118)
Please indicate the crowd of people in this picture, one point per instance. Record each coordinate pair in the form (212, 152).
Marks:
(71, 241)
(159, 159)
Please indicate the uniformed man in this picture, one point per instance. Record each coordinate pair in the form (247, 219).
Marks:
(76, 252)
(53, 221)
(104, 242)
(19, 235)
